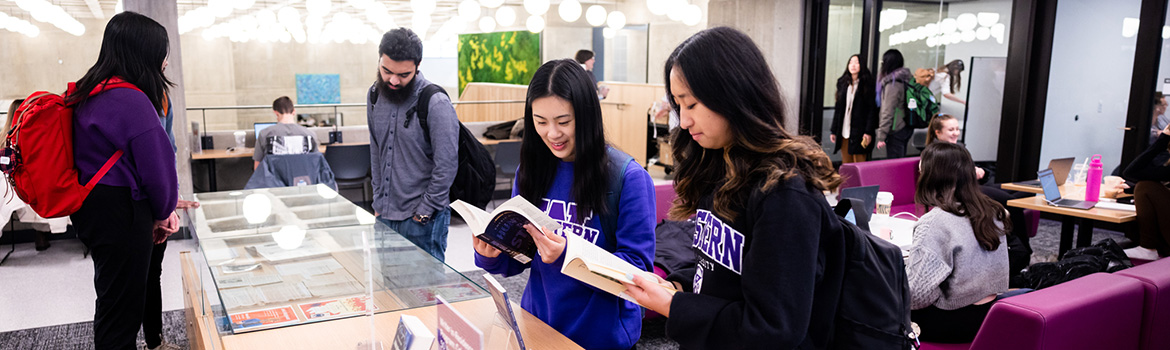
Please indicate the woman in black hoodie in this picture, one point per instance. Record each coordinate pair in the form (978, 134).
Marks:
(893, 131)
(855, 115)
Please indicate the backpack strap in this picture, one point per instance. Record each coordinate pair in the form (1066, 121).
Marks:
(422, 108)
(616, 163)
(102, 172)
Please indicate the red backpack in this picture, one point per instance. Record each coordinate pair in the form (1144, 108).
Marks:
(38, 153)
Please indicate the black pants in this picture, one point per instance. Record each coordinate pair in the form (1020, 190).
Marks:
(950, 326)
(1152, 200)
(152, 310)
(896, 142)
(1019, 245)
(117, 231)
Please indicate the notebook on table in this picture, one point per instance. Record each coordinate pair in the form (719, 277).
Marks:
(1052, 193)
(1060, 168)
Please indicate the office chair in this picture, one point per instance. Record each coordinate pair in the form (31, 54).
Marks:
(507, 159)
(351, 165)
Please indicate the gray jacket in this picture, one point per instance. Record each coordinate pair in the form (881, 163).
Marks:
(411, 176)
(284, 170)
(893, 102)
(948, 268)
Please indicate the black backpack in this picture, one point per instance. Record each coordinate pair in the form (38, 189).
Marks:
(874, 309)
(475, 180)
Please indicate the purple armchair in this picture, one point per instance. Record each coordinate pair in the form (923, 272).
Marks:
(897, 176)
(1155, 279)
(1099, 311)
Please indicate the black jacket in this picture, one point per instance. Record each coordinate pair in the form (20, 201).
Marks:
(770, 279)
(863, 121)
(1151, 164)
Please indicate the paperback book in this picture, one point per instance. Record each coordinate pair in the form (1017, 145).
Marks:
(597, 267)
(503, 228)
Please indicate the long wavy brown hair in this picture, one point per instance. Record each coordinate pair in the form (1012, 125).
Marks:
(728, 74)
(948, 182)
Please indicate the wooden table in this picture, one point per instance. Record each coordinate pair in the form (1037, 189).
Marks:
(345, 333)
(1071, 217)
(1068, 190)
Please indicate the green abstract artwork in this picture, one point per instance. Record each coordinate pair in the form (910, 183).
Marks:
(503, 57)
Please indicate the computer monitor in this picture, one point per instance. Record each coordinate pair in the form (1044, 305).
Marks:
(260, 126)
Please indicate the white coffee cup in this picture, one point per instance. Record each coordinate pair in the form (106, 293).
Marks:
(240, 137)
(884, 201)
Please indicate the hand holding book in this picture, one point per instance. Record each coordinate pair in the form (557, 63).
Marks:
(653, 295)
(550, 247)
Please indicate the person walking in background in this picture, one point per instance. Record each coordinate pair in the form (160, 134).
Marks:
(958, 262)
(286, 125)
(412, 170)
(566, 163)
(855, 114)
(585, 59)
(132, 206)
(758, 190)
(894, 130)
(948, 80)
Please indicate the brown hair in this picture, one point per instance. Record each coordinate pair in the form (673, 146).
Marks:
(953, 68)
(283, 105)
(948, 181)
(935, 126)
(11, 116)
(728, 74)
(582, 56)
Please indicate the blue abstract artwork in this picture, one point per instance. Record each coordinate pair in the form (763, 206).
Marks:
(318, 88)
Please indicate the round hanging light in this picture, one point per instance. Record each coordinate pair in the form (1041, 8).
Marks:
(570, 10)
(677, 11)
(536, 7)
(534, 24)
(420, 24)
(221, 8)
(487, 24)
(692, 15)
(506, 16)
(616, 20)
(658, 7)
(244, 4)
(423, 7)
(469, 10)
(491, 4)
(595, 15)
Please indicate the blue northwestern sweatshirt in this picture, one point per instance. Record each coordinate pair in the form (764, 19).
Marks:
(589, 316)
(124, 119)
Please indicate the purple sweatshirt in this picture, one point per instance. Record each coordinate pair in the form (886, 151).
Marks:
(125, 119)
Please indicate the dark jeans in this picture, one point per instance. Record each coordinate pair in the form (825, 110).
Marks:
(152, 311)
(117, 231)
(896, 142)
(431, 237)
(1019, 245)
(1152, 200)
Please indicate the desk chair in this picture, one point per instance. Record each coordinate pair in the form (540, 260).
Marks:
(507, 159)
(350, 164)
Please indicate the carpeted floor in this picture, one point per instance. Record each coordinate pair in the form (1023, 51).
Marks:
(80, 335)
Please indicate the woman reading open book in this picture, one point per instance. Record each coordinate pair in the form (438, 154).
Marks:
(594, 192)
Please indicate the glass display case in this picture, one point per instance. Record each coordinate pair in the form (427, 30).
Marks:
(279, 257)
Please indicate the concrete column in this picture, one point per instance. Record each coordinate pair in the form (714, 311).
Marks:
(777, 27)
(166, 13)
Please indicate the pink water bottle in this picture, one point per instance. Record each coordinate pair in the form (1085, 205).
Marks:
(1093, 179)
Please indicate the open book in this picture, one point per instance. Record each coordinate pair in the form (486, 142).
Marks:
(504, 229)
(599, 268)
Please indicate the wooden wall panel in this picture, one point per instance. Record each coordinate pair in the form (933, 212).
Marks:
(495, 111)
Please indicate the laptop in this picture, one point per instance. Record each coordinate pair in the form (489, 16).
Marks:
(1060, 168)
(868, 197)
(261, 126)
(1052, 193)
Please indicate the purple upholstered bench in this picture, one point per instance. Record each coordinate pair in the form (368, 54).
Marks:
(1099, 311)
(1155, 278)
(897, 176)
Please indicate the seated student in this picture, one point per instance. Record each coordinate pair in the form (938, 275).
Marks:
(1151, 170)
(565, 167)
(286, 125)
(760, 188)
(959, 260)
(945, 128)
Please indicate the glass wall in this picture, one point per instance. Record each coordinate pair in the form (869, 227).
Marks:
(843, 41)
(1089, 80)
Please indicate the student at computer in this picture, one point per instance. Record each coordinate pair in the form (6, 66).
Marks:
(1151, 170)
(566, 167)
(959, 258)
(286, 125)
(759, 189)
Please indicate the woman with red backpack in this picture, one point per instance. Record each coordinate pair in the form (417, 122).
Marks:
(133, 205)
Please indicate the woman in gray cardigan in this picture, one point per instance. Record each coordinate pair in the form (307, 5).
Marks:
(959, 260)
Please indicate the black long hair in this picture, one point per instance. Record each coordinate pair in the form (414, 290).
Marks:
(728, 74)
(864, 79)
(891, 61)
(948, 181)
(133, 48)
(566, 79)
